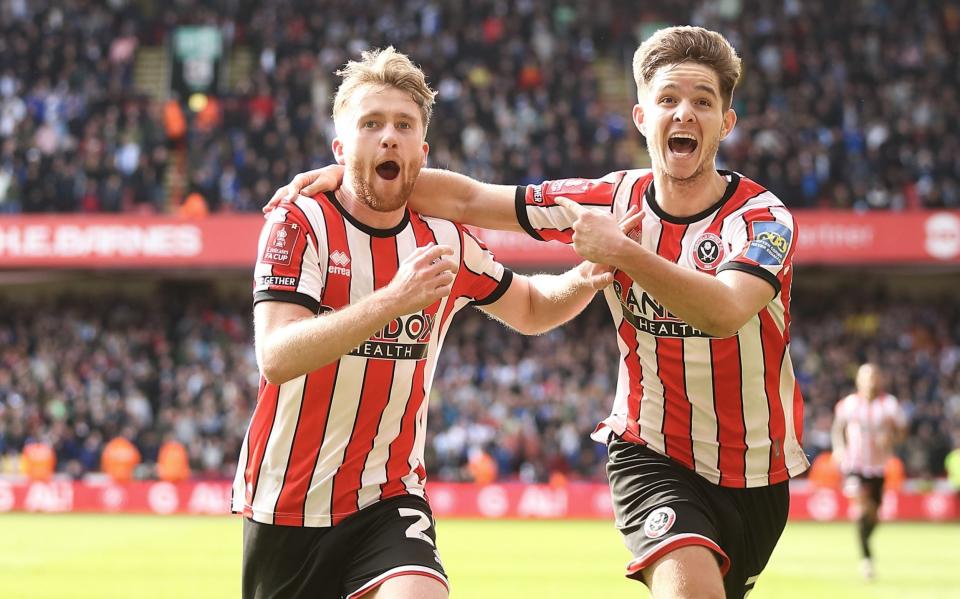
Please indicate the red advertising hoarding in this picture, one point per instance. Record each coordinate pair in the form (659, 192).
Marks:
(461, 500)
(229, 241)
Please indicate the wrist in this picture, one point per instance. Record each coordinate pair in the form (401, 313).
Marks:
(583, 275)
(384, 304)
(622, 251)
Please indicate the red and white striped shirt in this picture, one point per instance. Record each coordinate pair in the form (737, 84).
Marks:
(870, 427)
(329, 443)
(729, 409)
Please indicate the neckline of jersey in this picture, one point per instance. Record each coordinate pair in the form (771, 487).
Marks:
(372, 231)
(651, 197)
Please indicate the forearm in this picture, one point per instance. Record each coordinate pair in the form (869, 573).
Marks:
(698, 299)
(305, 345)
(456, 197)
(555, 299)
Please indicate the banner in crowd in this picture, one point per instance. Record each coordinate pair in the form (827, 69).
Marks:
(229, 241)
(463, 500)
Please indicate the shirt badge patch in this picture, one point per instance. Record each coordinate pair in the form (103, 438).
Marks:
(708, 251)
(280, 243)
(770, 243)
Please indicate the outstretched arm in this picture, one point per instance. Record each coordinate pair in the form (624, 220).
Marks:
(439, 193)
(534, 305)
(459, 198)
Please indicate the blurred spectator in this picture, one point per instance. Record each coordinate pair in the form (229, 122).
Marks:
(193, 206)
(120, 458)
(173, 463)
(825, 472)
(482, 467)
(893, 474)
(39, 461)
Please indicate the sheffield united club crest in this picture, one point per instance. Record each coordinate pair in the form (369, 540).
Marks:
(708, 251)
(659, 522)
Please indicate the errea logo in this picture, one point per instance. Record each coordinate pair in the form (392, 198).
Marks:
(338, 263)
(339, 258)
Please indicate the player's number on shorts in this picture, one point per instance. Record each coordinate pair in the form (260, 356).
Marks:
(415, 530)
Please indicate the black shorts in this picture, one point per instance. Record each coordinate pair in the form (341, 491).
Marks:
(390, 538)
(661, 506)
(873, 485)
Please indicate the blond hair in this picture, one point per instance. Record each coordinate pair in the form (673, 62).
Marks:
(389, 68)
(675, 45)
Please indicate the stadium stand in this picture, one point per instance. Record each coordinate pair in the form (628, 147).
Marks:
(179, 365)
(528, 91)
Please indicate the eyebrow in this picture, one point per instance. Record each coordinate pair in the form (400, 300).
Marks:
(703, 87)
(402, 115)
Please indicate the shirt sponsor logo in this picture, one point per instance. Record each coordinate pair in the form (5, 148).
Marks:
(272, 281)
(708, 251)
(659, 522)
(770, 244)
(647, 315)
(380, 350)
(404, 338)
(338, 263)
(280, 243)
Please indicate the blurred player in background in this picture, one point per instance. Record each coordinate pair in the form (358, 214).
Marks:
(353, 296)
(867, 425)
(707, 421)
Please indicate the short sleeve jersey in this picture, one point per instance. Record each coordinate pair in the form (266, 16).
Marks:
(729, 409)
(331, 442)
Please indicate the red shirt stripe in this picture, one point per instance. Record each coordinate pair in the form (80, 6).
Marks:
(728, 403)
(670, 366)
(771, 375)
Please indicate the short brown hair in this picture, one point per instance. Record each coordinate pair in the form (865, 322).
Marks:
(675, 45)
(385, 67)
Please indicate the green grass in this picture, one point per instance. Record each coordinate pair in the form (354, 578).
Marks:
(114, 557)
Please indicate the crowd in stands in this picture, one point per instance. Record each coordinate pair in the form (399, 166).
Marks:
(76, 373)
(849, 105)
(178, 366)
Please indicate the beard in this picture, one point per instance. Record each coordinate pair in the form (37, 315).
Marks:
(364, 177)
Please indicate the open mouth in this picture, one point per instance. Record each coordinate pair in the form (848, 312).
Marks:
(682, 143)
(388, 170)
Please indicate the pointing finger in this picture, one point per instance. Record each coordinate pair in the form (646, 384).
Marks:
(630, 212)
(630, 225)
(569, 204)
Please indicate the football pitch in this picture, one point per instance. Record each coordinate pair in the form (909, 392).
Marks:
(114, 557)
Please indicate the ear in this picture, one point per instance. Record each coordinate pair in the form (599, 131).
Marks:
(638, 119)
(425, 148)
(729, 120)
(337, 147)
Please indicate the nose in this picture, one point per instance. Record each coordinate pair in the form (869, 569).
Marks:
(389, 138)
(684, 112)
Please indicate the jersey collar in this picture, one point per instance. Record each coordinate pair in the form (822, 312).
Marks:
(651, 196)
